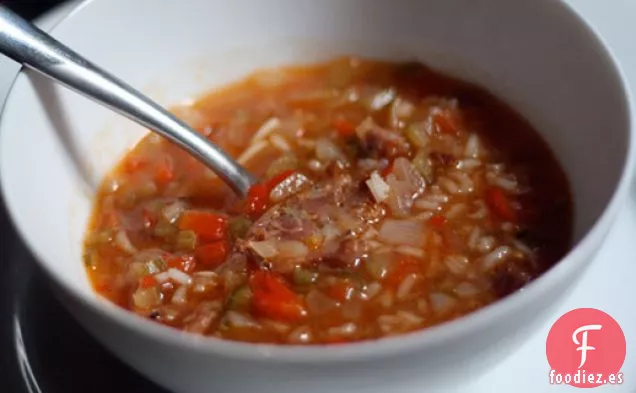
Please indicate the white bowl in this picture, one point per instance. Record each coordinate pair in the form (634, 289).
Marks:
(537, 55)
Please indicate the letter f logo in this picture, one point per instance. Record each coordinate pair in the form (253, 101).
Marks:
(583, 344)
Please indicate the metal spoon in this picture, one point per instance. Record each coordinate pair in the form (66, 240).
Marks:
(30, 46)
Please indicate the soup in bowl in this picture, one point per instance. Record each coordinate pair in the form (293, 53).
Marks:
(424, 201)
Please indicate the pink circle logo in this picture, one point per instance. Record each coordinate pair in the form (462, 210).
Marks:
(585, 349)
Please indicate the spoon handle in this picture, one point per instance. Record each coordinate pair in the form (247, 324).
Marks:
(30, 46)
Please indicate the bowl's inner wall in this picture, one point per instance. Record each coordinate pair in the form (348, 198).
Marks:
(531, 54)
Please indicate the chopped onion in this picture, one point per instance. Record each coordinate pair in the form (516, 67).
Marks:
(330, 232)
(495, 257)
(417, 134)
(155, 266)
(239, 320)
(378, 187)
(146, 298)
(472, 146)
(292, 249)
(173, 211)
(319, 303)
(202, 283)
(400, 199)
(382, 99)
(123, 242)
(400, 109)
(178, 276)
(402, 232)
(405, 185)
(327, 151)
(293, 184)
(266, 248)
(162, 277)
(406, 172)
(179, 296)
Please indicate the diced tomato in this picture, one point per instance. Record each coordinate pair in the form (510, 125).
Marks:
(207, 225)
(258, 195)
(341, 291)
(213, 254)
(437, 221)
(447, 122)
(500, 203)
(401, 268)
(147, 282)
(344, 127)
(257, 200)
(185, 263)
(164, 172)
(274, 299)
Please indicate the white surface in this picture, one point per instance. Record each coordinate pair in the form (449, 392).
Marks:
(608, 283)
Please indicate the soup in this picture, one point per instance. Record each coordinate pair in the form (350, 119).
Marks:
(392, 198)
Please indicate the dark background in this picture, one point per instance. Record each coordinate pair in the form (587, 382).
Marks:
(62, 357)
(30, 9)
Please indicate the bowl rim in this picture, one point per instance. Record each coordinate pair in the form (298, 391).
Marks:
(378, 348)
